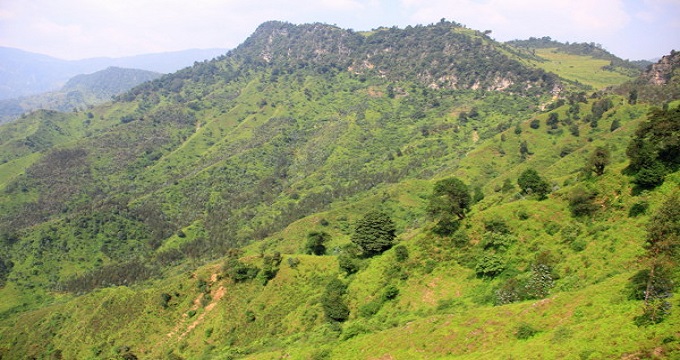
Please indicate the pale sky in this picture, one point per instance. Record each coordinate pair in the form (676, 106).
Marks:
(76, 29)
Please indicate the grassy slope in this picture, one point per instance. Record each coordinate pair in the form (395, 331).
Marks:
(442, 310)
(583, 69)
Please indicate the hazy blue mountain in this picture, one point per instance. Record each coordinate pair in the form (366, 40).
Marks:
(79, 92)
(24, 73)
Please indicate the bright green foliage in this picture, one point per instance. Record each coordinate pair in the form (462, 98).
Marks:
(315, 242)
(490, 265)
(532, 183)
(374, 233)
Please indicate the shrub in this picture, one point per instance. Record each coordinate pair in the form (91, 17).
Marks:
(490, 266)
(401, 253)
(239, 271)
(535, 124)
(498, 226)
(315, 243)
(581, 202)
(389, 293)
(639, 208)
(500, 242)
(332, 301)
(369, 309)
(525, 331)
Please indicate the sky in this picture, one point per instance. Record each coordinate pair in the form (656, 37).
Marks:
(77, 29)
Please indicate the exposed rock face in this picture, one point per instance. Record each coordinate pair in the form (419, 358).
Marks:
(661, 72)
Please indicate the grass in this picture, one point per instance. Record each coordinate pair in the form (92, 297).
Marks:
(579, 68)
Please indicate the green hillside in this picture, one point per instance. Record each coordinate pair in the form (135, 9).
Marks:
(293, 199)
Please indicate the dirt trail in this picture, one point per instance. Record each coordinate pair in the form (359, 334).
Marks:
(184, 326)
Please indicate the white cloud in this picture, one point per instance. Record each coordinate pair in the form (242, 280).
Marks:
(83, 28)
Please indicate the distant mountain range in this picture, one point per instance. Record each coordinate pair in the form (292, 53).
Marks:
(79, 92)
(24, 73)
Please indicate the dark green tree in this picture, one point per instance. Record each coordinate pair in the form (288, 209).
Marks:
(598, 160)
(333, 302)
(524, 150)
(661, 260)
(532, 183)
(374, 233)
(653, 151)
(315, 244)
(450, 197)
(553, 120)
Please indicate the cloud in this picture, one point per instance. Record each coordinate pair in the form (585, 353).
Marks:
(84, 28)
(524, 18)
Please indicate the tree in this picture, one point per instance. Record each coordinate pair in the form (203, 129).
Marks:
(450, 196)
(315, 242)
(599, 159)
(449, 202)
(374, 233)
(661, 260)
(524, 149)
(553, 120)
(333, 303)
(532, 183)
(654, 148)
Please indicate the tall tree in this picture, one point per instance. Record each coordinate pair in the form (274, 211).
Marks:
(532, 183)
(661, 259)
(598, 160)
(654, 149)
(450, 197)
(374, 233)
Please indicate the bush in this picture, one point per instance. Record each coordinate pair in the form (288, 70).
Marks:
(332, 301)
(525, 331)
(389, 293)
(581, 202)
(496, 241)
(369, 309)
(239, 271)
(490, 266)
(639, 208)
(315, 243)
(401, 253)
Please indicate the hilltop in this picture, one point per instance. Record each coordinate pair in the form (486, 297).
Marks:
(230, 209)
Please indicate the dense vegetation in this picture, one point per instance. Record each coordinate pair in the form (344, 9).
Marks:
(320, 193)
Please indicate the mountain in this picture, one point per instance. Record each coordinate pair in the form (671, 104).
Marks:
(24, 73)
(320, 193)
(79, 92)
